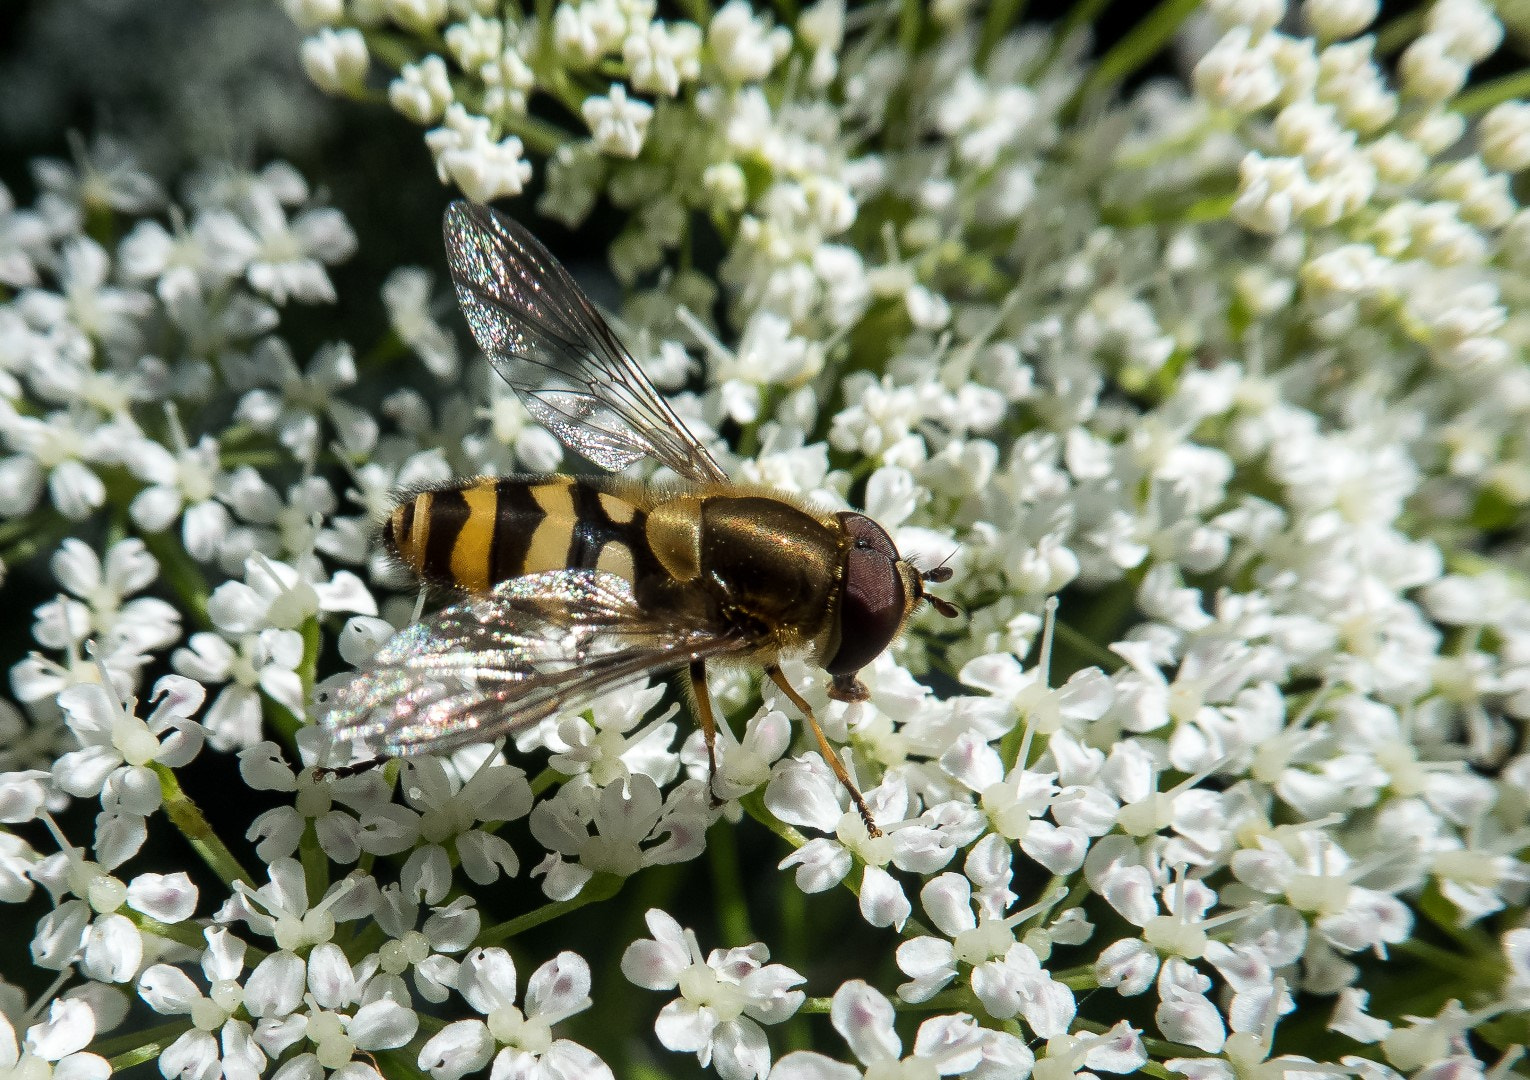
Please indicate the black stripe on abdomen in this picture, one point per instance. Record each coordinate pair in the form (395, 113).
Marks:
(448, 514)
(593, 528)
(516, 517)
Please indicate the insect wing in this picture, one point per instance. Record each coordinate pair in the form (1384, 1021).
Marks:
(536, 325)
(497, 664)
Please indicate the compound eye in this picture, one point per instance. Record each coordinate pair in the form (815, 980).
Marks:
(872, 601)
(867, 535)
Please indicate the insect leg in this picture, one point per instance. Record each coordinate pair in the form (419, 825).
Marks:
(823, 745)
(698, 677)
(340, 772)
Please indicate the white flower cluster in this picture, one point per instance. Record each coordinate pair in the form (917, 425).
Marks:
(1234, 366)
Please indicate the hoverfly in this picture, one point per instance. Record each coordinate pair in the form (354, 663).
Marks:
(571, 586)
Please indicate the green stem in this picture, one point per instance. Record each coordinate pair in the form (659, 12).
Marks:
(36, 540)
(1083, 13)
(1399, 33)
(1146, 40)
(539, 136)
(308, 667)
(393, 50)
(186, 933)
(140, 1046)
(910, 24)
(728, 885)
(546, 779)
(698, 11)
(1469, 967)
(598, 888)
(256, 459)
(186, 816)
(314, 862)
(1086, 645)
(181, 572)
(1209, 208)
(1479, 99)
(1002, 14)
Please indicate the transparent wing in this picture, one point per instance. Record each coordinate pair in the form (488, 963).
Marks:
(545, 337)
(495, 664)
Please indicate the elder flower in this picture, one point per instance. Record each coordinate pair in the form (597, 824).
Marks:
(519, 1043)
(952, 1045)
(55, 1048)
(724, 997)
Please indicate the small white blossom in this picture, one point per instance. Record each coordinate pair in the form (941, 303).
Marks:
(422, 91)
(467, 156)
(743, 46)
(617, 122)
(336, 60)
(725, 997)
(519, 1043)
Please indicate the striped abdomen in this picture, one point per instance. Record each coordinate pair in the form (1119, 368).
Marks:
(493, 529)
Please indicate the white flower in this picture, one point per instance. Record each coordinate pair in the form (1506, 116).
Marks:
(1006, 975)
(279, 596)
(1238, 73)
(280, 909)
(510, 425)
(312, 13)
(743, 46)
(336, 60)
(105, 175)
(422, 91)
(407, 294)
(520, 1044)
(467, 155)
(803, 791)
(944, 1046)
(448, 928)
(1431, 70)
(286, 258)
(1334, 19)
(617, 122)
(660, 57)
(142, 625)
(589, 830)
(420, 15)
(1504, 133)
(589, 29)
(182, 484)
(118, 750)
(1118, 1050)
(607, 747)
(299, 399)
(447, 811)
(743, 765)
(256, 663)
(50, 449)
(278, 831)
(55, 1047)
(724, 997)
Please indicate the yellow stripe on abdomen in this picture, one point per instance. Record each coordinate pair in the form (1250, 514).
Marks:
(482, 532)
(470, 558)
(555, 533)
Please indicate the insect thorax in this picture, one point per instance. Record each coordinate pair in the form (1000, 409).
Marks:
(776, 564)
